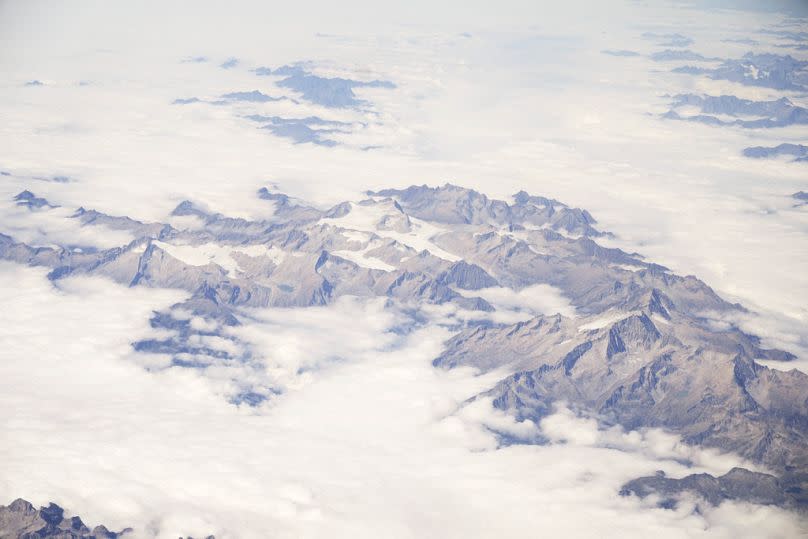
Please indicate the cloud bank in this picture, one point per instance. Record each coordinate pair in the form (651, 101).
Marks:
(372, 446)
(365, 438)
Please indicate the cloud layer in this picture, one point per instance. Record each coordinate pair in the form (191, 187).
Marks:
(366, 439)
(369, 447)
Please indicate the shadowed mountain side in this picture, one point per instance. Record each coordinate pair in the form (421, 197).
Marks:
(798, 151)
(642, 370)
(20, 519)
(739, 484)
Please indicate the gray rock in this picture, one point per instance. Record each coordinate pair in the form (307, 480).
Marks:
(287, 209)
(455, 205)
(137, 228)
(467, 276)
(32, 202)
(21, 520)
(739, 484)
(762, 152)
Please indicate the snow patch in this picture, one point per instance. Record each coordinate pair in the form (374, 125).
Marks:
(365, 217)
(607, 319)
(221, 255)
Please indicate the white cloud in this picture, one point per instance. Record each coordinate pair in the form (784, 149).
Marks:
(531, 300)
(368, 439)
(371, 445)
(54, 227)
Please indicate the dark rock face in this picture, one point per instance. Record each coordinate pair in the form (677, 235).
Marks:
(739, 484)
(21, 520)
(31, 201)
(467, 276)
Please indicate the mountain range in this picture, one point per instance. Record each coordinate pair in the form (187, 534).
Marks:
(640, 347)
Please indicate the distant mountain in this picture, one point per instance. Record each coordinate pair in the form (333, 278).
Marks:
(798, 151)
(32, 202)
(332, 92)
(766, 70)
(738, 484)
(669, 55)
(623, 53)
(668, 40)
(732, 110)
